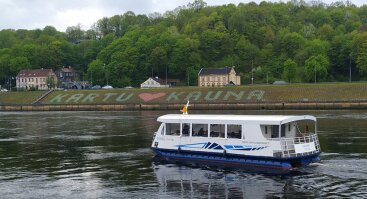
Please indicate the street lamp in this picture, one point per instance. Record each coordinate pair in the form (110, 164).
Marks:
(188, 78)
(9, 82)
(167, 74)
(350, 68)
(106, 73)
(252, 72)
(91, 78)
(315, 74)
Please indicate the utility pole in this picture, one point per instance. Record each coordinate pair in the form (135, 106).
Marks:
(106, 74)
(252, 72)
(350, 69)
(188, 78)
(315, 74)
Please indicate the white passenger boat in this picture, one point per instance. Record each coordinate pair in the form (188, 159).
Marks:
(266, 141)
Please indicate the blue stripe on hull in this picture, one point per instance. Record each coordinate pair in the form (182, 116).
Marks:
(236, 160)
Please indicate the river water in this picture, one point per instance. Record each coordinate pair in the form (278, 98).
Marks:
(107, 155)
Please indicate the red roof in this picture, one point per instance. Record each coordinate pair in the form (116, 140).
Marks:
(35, 73)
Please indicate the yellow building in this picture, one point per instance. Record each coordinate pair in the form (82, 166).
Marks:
(214, 77)
(37, 78)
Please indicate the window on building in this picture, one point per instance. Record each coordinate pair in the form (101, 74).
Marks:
(173, 129)
(217, 130)
(199, 130)
(234, 131)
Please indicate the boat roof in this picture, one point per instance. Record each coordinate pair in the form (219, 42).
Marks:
(258, 119)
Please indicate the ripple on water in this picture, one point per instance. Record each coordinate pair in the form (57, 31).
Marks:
(107, 155)
(337, 177)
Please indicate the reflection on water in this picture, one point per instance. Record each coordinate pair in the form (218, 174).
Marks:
(107, 155)
(189, 182)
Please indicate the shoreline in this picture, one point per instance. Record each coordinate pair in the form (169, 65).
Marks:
(193, 106)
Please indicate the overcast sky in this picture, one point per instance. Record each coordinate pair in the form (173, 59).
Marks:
(32, 14)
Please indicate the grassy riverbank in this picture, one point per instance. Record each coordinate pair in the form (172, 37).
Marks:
(237, 94)
(19, 97)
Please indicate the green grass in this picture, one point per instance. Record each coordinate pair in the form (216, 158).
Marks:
(272, 93)
(19, 97)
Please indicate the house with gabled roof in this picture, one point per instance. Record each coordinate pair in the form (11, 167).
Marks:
(69, 78)
(154, 82)
(216, 77)
(36, 78)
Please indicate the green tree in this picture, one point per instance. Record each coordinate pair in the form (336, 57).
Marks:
(51, 83)
(362, 59)
(7, 39)
(74, 33)
(197, 5)
(18, 63)
(96, 72)
(317, 68)
(290, 70)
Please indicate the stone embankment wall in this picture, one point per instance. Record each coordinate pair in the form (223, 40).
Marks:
(248, 106)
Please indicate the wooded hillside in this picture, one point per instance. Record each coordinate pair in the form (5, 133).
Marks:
(288, 41)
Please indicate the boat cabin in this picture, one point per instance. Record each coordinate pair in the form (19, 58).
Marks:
(251, 127)
(292, 139)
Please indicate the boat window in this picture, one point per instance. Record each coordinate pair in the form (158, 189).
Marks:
(282, 130)
(217, 130)
(200, 130)
(162, 130)
(234, 131)
(274, 131)
(173, 129)
(265, 130)
(185, 129)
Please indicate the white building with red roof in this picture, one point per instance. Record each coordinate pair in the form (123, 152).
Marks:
(36, 78)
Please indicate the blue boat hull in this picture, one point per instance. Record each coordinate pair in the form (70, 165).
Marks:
(234, 160)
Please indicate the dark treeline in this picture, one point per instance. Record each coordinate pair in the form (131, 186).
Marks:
(281, 41)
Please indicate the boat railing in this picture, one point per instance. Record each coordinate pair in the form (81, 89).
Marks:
(288, 145)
